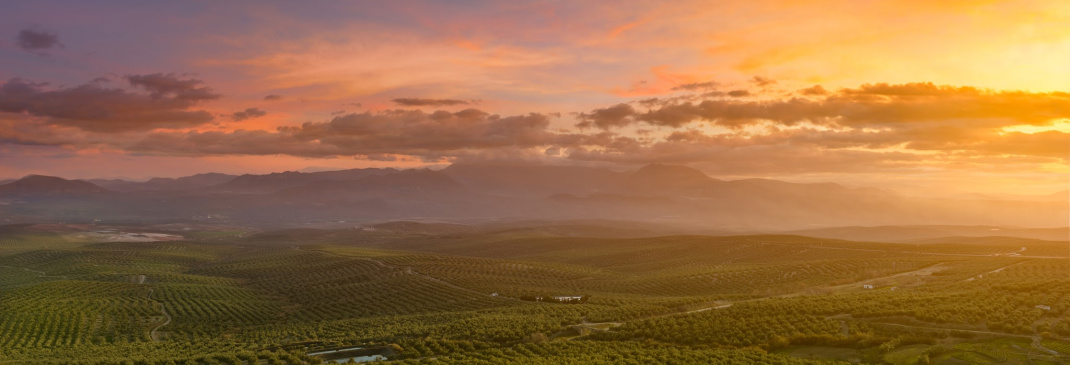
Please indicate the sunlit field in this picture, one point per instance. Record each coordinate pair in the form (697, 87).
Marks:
(292, 297)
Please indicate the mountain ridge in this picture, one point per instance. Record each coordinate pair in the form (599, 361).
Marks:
(41, 185)
(654, 193)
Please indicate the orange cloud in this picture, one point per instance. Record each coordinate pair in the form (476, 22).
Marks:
(617, 31)
(922, 121)
(96, 107)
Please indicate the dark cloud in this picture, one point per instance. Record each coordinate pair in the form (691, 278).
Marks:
(273, 97)
(161, 85)
(429, 102)
(694, 86)
(615, 116)
(651, 102)
(738, 93)
(657, 102)
(871, 105)
(35, 40)
(958, 123)
(94, 107)
(247, 114)
(871, 127)
(916, 89)
(814, 90)
(405, 132)
(762, 81)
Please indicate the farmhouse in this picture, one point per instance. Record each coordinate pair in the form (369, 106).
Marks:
(867, 286)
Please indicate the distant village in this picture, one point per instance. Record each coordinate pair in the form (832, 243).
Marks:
(563, 299)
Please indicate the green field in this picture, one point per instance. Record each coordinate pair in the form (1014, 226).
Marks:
(274, 297)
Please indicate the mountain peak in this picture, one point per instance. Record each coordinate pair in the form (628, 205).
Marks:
(49, 185)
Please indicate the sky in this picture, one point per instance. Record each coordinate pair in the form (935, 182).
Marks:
(918, 96)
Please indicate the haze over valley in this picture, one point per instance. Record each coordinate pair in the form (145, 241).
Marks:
(664, 194)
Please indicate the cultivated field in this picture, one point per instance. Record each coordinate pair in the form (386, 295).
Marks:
(408, 296)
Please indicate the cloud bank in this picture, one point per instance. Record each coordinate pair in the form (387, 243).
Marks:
(95, 107)
(873, 127)
(247, 114)
(429, 102)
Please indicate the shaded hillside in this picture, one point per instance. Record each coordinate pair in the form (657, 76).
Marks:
(259, 184)
(48, 186)
(166, 184)
(532, 180)
(934, 233)
(410, 227)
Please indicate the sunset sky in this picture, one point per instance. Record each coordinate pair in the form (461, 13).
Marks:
(920, 96)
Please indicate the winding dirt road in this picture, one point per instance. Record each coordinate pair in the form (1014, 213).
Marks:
(153, 333)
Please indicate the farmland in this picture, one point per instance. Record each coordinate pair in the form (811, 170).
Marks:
(454, 297)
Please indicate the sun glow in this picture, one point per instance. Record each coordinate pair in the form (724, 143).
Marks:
(1062, 125)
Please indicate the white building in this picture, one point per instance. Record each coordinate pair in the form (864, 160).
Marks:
(567, 298)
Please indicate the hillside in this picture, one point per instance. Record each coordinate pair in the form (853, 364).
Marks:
(166, 184)
(409, 291)
(933, 232)
(48, 186)
(269, 183)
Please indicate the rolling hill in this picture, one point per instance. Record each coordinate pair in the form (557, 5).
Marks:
(48, 186)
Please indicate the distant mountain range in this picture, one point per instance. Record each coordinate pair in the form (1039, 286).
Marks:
(164, 183)
(468, 193)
